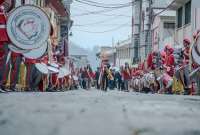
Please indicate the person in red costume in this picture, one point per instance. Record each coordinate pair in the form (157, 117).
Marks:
(33, 76)
(4, 39)
(16, 59)
(127, 76)
(169, 60)
(150, 61)
(185, 66)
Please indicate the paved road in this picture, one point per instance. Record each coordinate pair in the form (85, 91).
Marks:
(98, 113)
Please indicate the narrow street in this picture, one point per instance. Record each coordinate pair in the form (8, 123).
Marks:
(93, 112)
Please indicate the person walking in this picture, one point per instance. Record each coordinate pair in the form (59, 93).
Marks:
(127, 77)
(105, 78)
(97, 74)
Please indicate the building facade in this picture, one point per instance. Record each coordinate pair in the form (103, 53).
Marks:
(59, 15)
(163, 30)
(123, 53)
(187, 19)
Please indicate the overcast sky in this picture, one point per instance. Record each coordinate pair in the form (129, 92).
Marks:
(89, 30)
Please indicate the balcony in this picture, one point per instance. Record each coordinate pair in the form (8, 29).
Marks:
(177, 4)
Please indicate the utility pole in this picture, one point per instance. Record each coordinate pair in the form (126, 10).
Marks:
(131, 47)
(136, 27)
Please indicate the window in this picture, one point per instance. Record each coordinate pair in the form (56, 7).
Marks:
(22, 2)
(169, 25)
(188, 12)
(180, 16)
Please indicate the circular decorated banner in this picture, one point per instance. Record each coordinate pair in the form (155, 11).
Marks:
(36, 53)
(16, 50)
(28, 27)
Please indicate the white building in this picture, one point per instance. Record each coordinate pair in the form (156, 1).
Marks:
(163, 29)
(78, 55)
(123, 53)
(187, 18)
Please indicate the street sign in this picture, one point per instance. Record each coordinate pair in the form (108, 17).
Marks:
(28, 27)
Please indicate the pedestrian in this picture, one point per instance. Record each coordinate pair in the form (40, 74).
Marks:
(169, 66)
(185, 66)
(97, 74)
(127, 77)
(105, 78)
(85, 78)
(111, 81)
(118, 78)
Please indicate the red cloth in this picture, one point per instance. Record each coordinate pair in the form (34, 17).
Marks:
(169, 64)
(1, 1)
(186, 56)
(169, 60)
(54, 79)
(127, 74)
(150, 60)
(3, 32)
(2, 51)
(14, 54)
(30, 61)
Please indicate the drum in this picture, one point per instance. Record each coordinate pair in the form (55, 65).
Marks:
(61, 73)
(28, 27)
(167, 80)
(53, 69)
(42, 67)
(54, 65)
(36, 53)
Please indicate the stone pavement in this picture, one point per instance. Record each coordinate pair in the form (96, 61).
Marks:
(98, 113)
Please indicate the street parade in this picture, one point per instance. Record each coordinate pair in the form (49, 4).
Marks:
(26, 66)
(99, 67)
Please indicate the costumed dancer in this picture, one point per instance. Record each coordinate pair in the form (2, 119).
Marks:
(169, 65)
(195, 66)
(33, 76)
(184, 74)
(127, 77)
(43, 84)
(16, 59)
(105, 78)
(4, 51)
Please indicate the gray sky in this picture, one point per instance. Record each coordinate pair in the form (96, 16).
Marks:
(118, 20)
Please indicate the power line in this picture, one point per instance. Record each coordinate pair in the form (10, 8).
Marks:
(102, 6)
(101, 25)
(117, 4)
(99, 22)
(106, 31)
(96, 12)
(165, 8)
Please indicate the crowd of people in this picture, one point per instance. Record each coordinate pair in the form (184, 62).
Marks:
(170, 71)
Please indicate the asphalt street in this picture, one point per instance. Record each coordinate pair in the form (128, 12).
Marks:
(94, 112)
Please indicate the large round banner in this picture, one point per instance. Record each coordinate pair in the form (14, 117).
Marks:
(28, 27)
(36, 53)
(16, 50)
